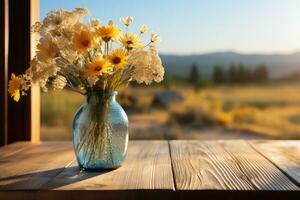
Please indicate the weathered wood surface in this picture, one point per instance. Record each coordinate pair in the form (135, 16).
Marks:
(31, 168)
(155, 170)
(232, 165)
(200, 165)
(284, 154)
(13, 148)
(148, 166)
(262, 174)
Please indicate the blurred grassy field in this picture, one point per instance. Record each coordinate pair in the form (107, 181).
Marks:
(271, 110)
(57, 111)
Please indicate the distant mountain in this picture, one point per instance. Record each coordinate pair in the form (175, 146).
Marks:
(277, 64)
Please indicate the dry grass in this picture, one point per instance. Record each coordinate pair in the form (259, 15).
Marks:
(268, 110)
(272, 110)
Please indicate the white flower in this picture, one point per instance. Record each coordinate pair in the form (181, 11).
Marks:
(47, 47)
(155, 38)
(58, 59)
(143, 28)
(147, 66)
(71, 55)
(39, 72)
(59, 20)
(127, 20)
(36, 27)
(59, 83)
(55, 18)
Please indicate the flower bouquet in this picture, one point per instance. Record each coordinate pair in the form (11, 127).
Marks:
(94, 60)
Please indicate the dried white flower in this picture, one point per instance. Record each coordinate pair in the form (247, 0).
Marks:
(68, 47)
(55, 18)
(59, 83)
(70, 55)
(47, 48)
(58, 21)
(36, 27)
(147, 66)
(39, 72)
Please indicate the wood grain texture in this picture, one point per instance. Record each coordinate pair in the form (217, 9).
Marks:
(148, 166)
(205, 165)
(201, 170)
(284, 154)
(35, 166)
(260, 171)
(13, 148)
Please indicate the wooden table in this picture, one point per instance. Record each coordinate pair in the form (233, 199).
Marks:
(233, 169)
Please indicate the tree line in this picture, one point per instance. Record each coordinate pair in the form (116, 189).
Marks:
(233, 74)
(240, 74)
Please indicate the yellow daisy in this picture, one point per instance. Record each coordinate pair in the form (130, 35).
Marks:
(98, 67)
(130, 41)
(14, 87)
(118, 58)
(109, 32)
(83, 40)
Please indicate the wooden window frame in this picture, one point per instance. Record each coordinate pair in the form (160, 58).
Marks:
(18, 121)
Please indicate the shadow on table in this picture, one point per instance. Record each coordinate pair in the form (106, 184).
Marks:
(49, 179)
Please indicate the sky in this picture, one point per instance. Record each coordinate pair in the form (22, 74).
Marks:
(201, 26)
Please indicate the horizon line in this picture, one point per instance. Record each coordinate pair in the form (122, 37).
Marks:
(227, 51)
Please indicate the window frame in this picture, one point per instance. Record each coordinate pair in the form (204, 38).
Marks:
(18, 121)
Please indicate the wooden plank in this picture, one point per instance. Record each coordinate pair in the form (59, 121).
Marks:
(284, 154)
(105, 195)
(148, 166)
(33, 167)
(262, 173)
(205, 165)
(13, 148)
(202, 169)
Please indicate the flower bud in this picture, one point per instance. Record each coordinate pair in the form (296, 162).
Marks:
(155, 38)
(127, 20)
(143, 28)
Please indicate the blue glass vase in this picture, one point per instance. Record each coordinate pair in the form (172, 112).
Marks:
(100, 132)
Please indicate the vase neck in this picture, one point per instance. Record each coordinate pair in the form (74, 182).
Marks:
(100, 96)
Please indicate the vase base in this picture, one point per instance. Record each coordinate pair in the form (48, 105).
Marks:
(98, 169)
